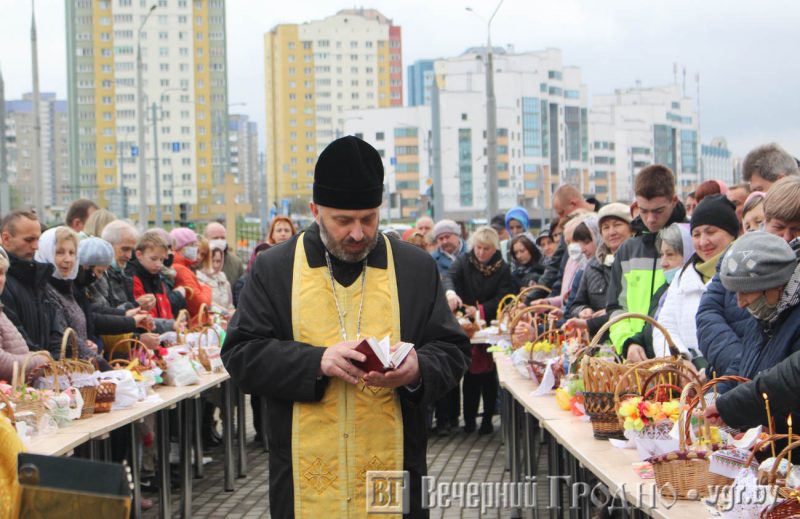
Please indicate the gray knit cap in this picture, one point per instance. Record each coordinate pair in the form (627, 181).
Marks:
(757, 261)
(446, 226)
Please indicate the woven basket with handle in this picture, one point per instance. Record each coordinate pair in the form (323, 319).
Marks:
(790, 506)
(604, 377)
(530, 312)
(684, 474)
(8, 409)
(50, 368)
(73, 365)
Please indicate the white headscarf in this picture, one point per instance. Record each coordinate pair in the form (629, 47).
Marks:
(47, 253)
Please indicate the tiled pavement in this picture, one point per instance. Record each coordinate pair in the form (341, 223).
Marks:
(459, 457)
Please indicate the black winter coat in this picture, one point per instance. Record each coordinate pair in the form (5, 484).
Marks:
(743, 406)
(26, 304)
(471, 285)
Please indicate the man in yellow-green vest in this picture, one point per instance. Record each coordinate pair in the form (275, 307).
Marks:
(637, 274)
(307, 305)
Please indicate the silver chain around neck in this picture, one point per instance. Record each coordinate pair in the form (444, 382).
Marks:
(339, 313)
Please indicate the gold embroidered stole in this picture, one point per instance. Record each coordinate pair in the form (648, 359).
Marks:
(352, 429)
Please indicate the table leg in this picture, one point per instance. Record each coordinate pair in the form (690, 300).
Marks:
(107, 448)
(264, 423)
(505, 416)
(553, 485)
(529, 465)
(185, 409)
(198, 438)
(514, 442)
(94, 450)
(136, 506)
(572, 464)
(162, 432)
(241, 425)
(227, 426)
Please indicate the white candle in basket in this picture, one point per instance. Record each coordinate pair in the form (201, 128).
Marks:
(15, 375)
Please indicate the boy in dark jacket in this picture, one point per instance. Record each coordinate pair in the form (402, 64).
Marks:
(151, 251)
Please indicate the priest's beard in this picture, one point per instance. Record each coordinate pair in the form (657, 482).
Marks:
(338, 248)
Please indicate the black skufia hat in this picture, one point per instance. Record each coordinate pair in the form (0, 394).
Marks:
(349, 175)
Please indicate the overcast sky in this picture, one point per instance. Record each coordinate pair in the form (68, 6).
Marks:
(745, 52)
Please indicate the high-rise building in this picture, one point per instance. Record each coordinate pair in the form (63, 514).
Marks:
(542, 137)
(542, 131)
(402, 136)
(19, 139)
(315, 72)
(716, 162)
(635, 127)
(184, 81)
(420, 82)
(243, 154)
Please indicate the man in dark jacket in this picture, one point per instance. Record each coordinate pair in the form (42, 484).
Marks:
(24, 297)
(636, 274)
(566, 201)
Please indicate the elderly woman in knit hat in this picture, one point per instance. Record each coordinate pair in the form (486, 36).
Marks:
(714, 227)
(763, 271)
(185, 248)
(94, 258)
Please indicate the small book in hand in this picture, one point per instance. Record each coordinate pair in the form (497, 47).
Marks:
(381, 355)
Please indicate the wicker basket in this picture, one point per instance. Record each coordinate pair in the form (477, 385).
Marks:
(202, 353)
(135, 349)
(768, 477)
(790, 506)
(74, 365)
(684, 474)
(787, 509)
(525, 291)
(203, 316)
(8, 409)
(604, 380)
(37, 407)
(106, 394)
(518, 341)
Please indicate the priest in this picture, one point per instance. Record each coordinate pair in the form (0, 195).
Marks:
(307, 305)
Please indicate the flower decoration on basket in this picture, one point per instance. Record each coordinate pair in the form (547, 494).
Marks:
(639, 413)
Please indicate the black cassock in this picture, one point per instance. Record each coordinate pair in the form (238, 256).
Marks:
(263, 359)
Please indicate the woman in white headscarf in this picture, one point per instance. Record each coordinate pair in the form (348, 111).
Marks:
(212, 275)
(59, 247)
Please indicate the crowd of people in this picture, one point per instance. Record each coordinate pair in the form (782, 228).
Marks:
(101, 277)
(718, 270)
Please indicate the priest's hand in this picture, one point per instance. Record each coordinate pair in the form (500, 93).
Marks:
(336, 362)
(406, 375)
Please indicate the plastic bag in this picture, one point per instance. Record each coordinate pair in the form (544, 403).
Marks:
(180, 370)
(127, 392)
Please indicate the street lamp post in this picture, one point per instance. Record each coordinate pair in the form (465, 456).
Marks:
(491, 121)
(157, 165)
(143, 212)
